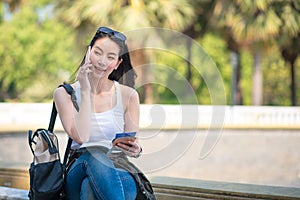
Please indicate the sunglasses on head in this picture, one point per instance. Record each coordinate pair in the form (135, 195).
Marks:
(117, 34)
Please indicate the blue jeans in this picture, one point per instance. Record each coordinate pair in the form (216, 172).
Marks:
(94, 176)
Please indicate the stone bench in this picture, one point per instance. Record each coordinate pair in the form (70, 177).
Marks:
(14, 175)
(7, 193)
(14, 181)
(167, 188)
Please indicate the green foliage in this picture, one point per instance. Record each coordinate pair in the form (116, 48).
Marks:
(276, 80)
(1, 12)
(216, 48)
(246, 74)
(36, 55)
(169, 74)
(38, 51)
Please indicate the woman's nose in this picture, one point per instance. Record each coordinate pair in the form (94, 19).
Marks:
(102, 61)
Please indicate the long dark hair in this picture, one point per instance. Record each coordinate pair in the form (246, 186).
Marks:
(125, 73)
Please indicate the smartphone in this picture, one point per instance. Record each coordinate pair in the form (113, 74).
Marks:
(125, 134)
(124, 137)
(87, 56)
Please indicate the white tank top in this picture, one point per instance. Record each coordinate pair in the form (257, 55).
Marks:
(104, 125)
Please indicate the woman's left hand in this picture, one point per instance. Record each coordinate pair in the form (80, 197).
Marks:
(132, 148)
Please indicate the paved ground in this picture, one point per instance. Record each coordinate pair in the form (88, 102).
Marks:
(268, 157)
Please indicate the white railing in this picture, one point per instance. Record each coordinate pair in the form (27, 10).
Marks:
(23, 116)
(195, 116)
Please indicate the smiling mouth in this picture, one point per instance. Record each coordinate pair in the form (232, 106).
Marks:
(99, 68)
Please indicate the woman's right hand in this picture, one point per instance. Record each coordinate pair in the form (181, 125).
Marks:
(84, 71)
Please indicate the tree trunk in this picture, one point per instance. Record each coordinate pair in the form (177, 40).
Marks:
(236, 91)
(257, 81)
(144, 75)
(293, 84)
(188, 60)
(290, 55)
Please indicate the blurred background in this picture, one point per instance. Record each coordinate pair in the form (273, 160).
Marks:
(249, 48)
(254, 44)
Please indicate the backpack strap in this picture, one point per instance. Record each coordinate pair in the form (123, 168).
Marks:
(52, 118)
(32, 135)
(71, 92)
(69, 89)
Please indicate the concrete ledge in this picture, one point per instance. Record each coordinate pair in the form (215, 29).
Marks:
(167, 188)
(7, 193)
(24, 116)
(14, 175)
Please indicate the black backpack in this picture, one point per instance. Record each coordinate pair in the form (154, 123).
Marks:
(47, 172)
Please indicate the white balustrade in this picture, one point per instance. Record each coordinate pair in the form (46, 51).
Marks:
(23, 116)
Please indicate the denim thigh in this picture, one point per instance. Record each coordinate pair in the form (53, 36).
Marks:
(94, 171)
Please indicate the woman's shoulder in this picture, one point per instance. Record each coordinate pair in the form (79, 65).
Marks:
(60, 92)
(128, 92)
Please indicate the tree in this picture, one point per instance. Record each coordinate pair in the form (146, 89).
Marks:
(289, 38)
(290, 52)
(252, 25)
(35, 54)
(197, 29)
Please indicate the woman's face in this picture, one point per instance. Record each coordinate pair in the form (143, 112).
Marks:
(104, 56)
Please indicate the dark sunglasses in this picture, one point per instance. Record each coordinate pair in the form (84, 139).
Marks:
(117, 34)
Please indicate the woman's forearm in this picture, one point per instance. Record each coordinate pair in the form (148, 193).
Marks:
(82, 119)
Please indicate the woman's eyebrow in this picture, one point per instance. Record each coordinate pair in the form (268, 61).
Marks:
(97, 47)
(110, 53)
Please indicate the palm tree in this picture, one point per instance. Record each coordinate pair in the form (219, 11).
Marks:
(289, 38)
(82, 15)
(203, 14)
(248, 25)
(221, 25)
(290, 52)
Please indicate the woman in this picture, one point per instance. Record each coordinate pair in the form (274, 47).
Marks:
(105, 108)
